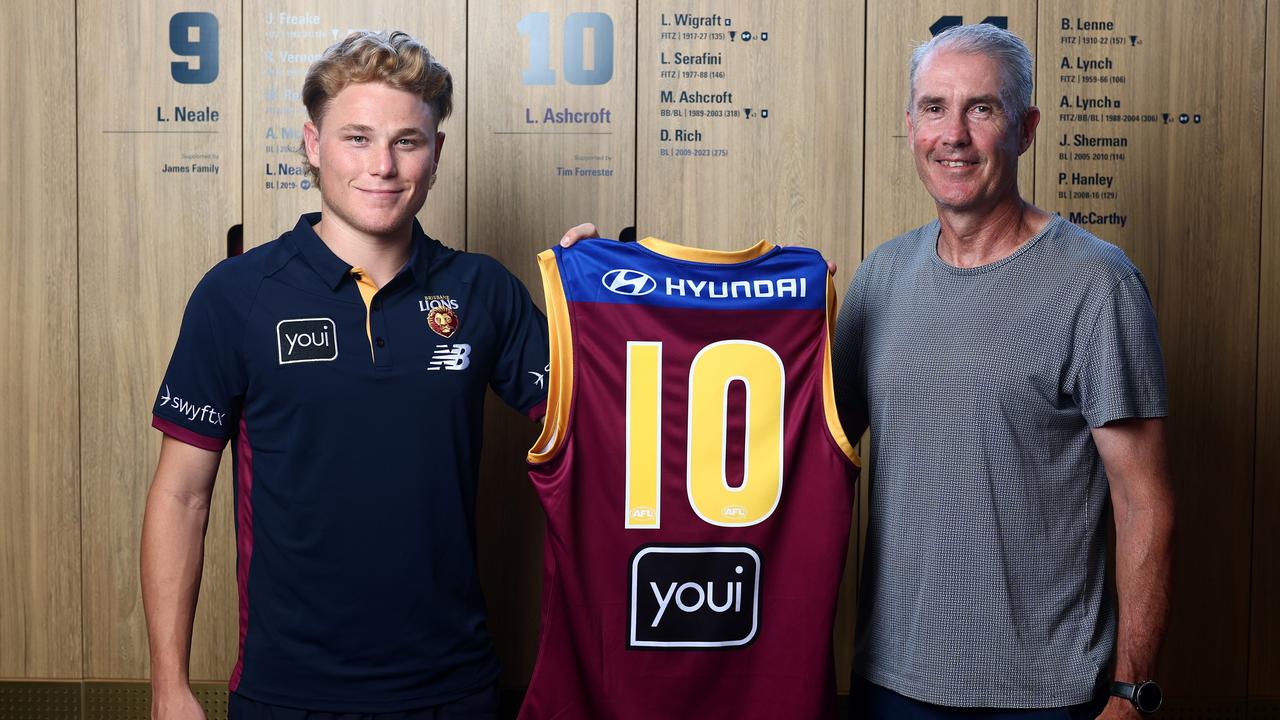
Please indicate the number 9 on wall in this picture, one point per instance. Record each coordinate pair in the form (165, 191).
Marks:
(194, 35)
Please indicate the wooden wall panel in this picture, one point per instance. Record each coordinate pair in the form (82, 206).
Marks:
(157, 195)
(1181, 197)
(39, 463)
(760, 141)
(282, 39)
(1264, 626)
(895, 200)
(530, 176)
(775, 153)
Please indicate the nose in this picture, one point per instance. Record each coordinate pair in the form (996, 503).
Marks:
(382, 161)
(955, 129)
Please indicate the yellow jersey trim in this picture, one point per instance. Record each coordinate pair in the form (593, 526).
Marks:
(560, 383)
(716, 257)
(828, 384)
(367, 291)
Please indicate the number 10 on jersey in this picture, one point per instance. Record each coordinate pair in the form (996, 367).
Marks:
(713, 370)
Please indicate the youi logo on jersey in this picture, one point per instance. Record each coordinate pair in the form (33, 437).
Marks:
(306, 340)
(694, 596)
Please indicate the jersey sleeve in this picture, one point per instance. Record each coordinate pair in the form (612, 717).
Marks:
(520, 373)
(1122, 372)
(200, 397)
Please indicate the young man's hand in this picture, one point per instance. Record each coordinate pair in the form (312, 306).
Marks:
(579, 232)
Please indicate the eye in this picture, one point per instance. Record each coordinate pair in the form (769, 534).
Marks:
(983, 110)
(357, 139)
(407, 143)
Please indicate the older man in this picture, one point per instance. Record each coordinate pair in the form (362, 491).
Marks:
(1008, 365)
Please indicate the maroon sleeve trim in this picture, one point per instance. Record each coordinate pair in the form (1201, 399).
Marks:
(537, 412)
(177, 432)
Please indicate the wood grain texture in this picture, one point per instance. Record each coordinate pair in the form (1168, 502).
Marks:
(895, 200)
(793, 177)
(281, 39)
(1191, 196)
(39, 441)
(146, 238)
(518, 204)
(1264, 626)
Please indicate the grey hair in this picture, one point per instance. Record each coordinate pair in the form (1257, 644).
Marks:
(1008, 50)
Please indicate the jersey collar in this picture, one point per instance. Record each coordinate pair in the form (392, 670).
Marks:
(333, 270)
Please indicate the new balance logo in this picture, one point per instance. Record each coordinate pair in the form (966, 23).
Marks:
(629, 282)
(451, 357)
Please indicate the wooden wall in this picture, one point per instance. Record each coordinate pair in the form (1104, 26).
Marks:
(1264, 618)
(40, 626)
(104, 246)
(1189, 193)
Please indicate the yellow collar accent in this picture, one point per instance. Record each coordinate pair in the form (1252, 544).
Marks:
(717, 257)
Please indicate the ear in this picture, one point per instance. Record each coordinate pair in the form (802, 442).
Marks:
(911, 129)
(1028, 130)
(311, 142)
(439, 148)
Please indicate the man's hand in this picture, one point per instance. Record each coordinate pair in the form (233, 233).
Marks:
(178, 704)
(579, 232)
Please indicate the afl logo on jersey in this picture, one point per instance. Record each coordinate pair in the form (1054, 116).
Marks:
(629, 282)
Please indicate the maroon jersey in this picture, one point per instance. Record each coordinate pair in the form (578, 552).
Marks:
(696, 481)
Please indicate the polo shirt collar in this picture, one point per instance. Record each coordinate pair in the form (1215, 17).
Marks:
(333, 270)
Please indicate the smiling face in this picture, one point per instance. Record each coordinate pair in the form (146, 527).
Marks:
(965, 142)
(376, 150)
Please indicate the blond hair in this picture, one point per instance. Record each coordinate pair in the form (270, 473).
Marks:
(365, 56)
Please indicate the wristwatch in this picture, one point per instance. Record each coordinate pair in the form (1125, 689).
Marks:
(1146, 695)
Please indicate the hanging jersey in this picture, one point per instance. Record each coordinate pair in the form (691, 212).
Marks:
(696, 482)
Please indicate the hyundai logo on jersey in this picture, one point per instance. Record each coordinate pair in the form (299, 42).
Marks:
(306, 340)
(629, 282)
(688, 596)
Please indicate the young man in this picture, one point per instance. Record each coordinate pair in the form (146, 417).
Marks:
(346, 362)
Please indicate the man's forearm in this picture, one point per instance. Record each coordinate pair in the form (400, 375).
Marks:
(1143, 558)
(172, 562)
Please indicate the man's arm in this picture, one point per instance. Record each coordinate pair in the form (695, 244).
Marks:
(1133, 452)
(172, 562)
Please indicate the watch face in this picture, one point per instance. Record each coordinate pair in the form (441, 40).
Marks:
(1148, 697)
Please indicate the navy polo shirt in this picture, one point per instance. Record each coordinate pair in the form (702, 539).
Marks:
(355, 461)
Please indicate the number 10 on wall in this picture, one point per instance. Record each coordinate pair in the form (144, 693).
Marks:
(537, 26)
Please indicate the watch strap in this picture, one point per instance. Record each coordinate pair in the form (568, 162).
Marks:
(1128, 691)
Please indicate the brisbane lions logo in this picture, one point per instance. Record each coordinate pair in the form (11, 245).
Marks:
(443, 320)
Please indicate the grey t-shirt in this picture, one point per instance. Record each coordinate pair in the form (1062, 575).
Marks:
(984, 583)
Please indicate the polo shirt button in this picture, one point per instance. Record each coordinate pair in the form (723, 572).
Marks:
(377, 305)
(380, 342)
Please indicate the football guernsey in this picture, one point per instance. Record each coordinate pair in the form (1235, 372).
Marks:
(355, 429)
(696, 482)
